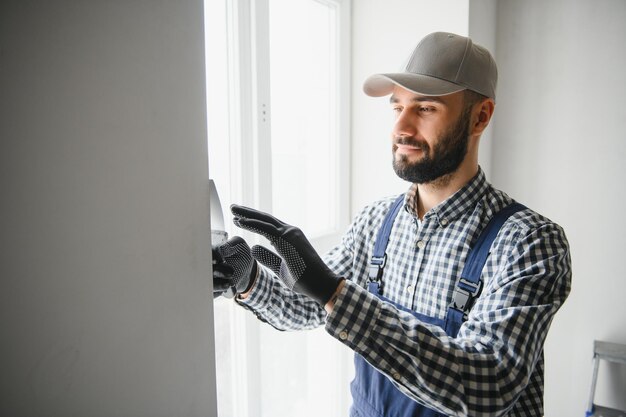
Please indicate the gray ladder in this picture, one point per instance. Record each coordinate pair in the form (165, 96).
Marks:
(612, 352)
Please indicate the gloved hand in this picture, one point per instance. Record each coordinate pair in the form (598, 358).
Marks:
(309, 274)
(275, 263)
(234, 268)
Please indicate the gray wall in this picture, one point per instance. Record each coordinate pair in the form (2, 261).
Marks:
(560, 147)
(105, 306)
(482, 29)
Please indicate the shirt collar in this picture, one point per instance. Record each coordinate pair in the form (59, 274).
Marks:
(462, 201)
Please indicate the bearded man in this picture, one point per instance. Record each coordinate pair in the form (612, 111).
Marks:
(445, 293)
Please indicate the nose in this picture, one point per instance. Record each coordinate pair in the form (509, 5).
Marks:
(404, 125)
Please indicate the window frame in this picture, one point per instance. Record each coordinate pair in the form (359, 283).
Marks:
(250, 161)
(258, 82)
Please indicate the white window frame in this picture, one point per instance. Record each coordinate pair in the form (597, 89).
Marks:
(253, 52)
(249, 151)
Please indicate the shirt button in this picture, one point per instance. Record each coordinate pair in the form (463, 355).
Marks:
(444, 222)
(421, 244)
(396, 376)
(343, 335)
(410, 289)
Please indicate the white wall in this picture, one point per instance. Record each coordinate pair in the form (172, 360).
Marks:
(560, 148)
(105, 306)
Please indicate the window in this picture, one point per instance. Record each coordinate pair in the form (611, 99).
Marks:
(277, 96)
(303, 93)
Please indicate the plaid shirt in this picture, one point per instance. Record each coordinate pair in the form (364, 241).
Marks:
(495, 364)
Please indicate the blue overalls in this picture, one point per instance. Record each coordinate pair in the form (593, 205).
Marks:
(373, 393)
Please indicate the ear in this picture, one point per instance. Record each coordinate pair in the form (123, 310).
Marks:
(482, 113)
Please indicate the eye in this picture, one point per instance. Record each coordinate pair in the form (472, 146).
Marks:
(397, 109)
(426, 109)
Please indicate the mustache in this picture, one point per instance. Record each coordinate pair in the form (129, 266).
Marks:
(411, 141)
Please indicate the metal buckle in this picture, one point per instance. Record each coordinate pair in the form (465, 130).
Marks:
(376, 268)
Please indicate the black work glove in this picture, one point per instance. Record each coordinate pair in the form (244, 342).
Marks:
(234, 268)
(275, 263)
(309, 274)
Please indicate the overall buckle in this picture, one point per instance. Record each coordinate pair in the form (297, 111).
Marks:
(464, 294)
(376, 268)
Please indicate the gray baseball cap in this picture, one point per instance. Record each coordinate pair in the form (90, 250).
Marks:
(442, 63)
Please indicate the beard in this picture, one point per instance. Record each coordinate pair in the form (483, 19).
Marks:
(443, 159)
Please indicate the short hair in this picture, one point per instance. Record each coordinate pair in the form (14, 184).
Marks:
(472, 97)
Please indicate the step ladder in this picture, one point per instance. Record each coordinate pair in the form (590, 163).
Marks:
(611, 352)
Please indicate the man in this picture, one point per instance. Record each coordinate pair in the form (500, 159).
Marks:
(431, 338)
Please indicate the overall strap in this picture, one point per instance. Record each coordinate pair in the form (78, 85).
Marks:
(469, 285)
(379, 257)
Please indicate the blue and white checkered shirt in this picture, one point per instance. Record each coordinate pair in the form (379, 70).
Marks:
(495, 364)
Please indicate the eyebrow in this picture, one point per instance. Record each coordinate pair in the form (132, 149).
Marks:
(419, 99)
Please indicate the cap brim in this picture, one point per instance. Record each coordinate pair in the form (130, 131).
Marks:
(382, 84)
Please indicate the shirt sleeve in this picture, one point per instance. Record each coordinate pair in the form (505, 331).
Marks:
(272, 302)
(488, 365)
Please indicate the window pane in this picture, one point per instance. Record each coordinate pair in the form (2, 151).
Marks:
(303, 92)
(284, 391)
